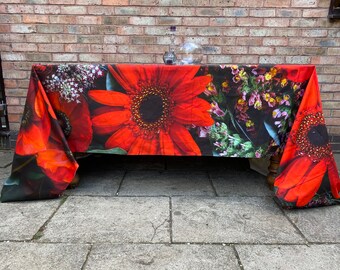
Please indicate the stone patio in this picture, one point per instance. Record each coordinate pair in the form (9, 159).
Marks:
(165, 213)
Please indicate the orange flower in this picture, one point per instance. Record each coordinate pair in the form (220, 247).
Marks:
(152, 116)
(58, 166)
(307, 165)
(74, 119)
(303, 175)
(35, 124)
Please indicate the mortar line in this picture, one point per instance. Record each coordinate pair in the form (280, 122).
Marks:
(170, 220)
(212, 184)
(38, 234)
(121, 183)
(292, 223)
(87, 257)
(237, 257)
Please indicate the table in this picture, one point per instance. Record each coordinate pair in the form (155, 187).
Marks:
(249, 111)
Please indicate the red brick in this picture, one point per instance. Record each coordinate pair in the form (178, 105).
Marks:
(115, 2)
(275, 3)
(164, 20)
(134, 20)
(24, 47)
(235, 32)
(210, 12)
(64, 38)
(310, 13)
(249, 21)
(91, 58)
(209, 31)
(20, 9)
(297, 59)
(5, 18)
(73, 10)
(63, 19)
(251, 41)
(77, 48)
(47, 9)
(261, 50)
(180, 11)
(277, 41)
(116, 58)
(103, 48)
(3, 9)
(271, 60)
(88, 20)
(228, 50)
(88, 2)
(262, 12)
(39, 38)
(304, 3)
(22, 28)
(276, 22)
(67, 2)
(245, 59)
(129, 30)
(13, 101)
(213, 21)
(51, 47)
(35, 18)
(219, 59)
(64, 57)
(5, 28)
(100, 10)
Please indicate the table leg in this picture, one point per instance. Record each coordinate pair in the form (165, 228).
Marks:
(273, 168)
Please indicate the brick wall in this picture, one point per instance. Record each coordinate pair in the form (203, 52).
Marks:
(113, 31)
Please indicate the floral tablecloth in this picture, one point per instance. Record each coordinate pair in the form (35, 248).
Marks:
(190, 110)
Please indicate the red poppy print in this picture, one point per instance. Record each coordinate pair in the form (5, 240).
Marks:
(74, 120)
(302, 177)
(307, 160)
(153, 115)
(58, 165)
(35, 124)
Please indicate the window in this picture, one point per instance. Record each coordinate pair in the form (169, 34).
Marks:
(334, 9)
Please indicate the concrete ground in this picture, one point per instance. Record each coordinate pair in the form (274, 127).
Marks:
(166, 213)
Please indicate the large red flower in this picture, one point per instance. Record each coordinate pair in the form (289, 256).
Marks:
(153, 114)
(307, 160)
(74, 120)
(35, 124)
(59, 165)
(303, 175)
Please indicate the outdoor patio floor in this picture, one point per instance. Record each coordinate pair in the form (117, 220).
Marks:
(166, 213)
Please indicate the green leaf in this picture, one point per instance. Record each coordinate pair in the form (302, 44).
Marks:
(12, 181)
(117, 151)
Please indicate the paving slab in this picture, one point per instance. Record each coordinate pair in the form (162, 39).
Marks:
(22, 220)
(159, 257)
(240, 183)
(231, 220)
(33, 256)
(97, 183)
(110, 219)
(6, 158)
(292, 257)
(318, 224)
(166, 183)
